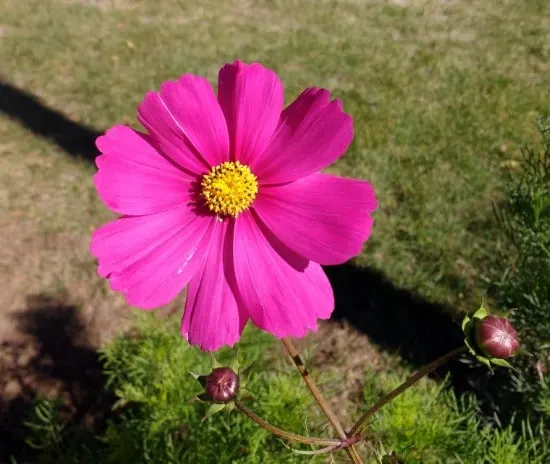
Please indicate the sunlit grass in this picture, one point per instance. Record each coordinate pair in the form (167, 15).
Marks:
(442, 94)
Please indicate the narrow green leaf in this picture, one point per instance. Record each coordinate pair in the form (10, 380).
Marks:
(484, 360)
(244, 395)
(481, 313)
(502, 363)
(235, 361)
(465, 322)
(470, 347)
(215, 363)
(215, 408)
(244, 375)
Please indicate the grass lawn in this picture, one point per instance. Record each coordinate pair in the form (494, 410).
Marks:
(442, 93)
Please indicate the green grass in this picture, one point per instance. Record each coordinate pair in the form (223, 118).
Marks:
(442, 94)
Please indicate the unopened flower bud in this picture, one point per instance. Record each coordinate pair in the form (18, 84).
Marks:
(496, 337)
(222, 385)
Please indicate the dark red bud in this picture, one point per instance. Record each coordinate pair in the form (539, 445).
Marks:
(222, 385)
(496, 337)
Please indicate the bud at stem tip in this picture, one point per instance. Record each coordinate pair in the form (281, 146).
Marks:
(222, 385)
(496, 337)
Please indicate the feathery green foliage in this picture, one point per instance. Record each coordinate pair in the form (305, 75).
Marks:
(526, 221)
(525, 283)
(149, 372)
(428, 424)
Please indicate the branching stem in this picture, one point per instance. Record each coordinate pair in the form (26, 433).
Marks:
(406, 385)
(351, 450)
(329, 442)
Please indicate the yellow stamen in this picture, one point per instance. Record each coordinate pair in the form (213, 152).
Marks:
(229, 188)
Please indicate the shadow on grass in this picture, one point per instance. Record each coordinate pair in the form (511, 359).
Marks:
(395, 319)
(54, 357)
(76, 139)
(400, 321)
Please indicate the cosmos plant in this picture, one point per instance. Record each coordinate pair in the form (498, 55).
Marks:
(223, 193)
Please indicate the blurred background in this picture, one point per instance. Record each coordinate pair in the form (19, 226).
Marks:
(443, 93)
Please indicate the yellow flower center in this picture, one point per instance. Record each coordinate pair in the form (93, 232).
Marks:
(229, 188)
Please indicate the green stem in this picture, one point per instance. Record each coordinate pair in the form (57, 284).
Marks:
(330, 442)
(326, 450)
(406, 385)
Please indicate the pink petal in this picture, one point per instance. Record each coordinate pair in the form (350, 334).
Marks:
(187, 123)
(284, 293)
(313, 132)
(194, 105)
(212, 316)
(322, 217)
(134, 178)
(251, 98)
(152, 258)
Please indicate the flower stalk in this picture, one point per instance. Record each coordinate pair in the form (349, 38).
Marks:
(331, 443)
(405, 386)
(351, 450)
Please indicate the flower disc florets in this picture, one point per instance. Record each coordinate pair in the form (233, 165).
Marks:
(229, 188)
(224, 193)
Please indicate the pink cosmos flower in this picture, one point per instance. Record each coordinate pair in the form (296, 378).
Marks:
(224, 194)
